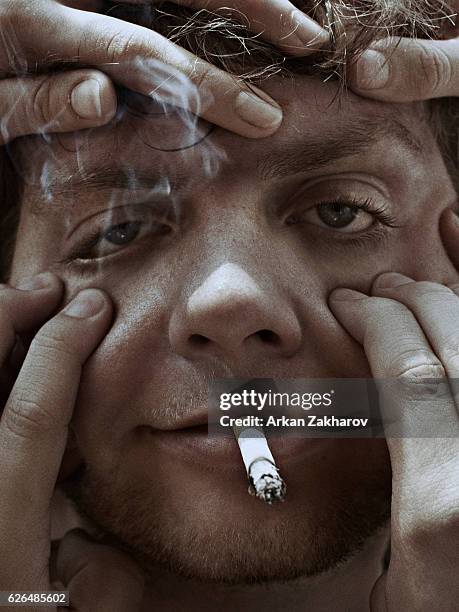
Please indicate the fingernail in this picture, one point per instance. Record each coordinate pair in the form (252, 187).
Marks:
(344, 295)
(372, 70)
(390, 280)
(40, 281)
(86, 304)
(256, 111)
(306, 34)
(86, 101)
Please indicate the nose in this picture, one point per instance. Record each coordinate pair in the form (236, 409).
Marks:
(230, 313)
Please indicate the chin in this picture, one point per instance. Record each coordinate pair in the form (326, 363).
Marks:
(206, 527)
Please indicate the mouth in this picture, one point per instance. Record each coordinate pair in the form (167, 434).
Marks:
(196, 420)
(194, 443)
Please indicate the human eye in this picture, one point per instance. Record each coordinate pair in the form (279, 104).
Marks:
(344, 214)
(104, 236)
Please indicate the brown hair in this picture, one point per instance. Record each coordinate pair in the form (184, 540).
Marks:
(227, 43)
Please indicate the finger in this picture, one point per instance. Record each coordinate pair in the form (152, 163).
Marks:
(449, 231)
(95, 572)
(26, 307)
(63, 102)
(146, 62)
(384, 327)
(436, 309)
(421, 427)
(402, 361)
(425, 469)
(23, 311)
(34, 425)
(276, 21)
(408, 70)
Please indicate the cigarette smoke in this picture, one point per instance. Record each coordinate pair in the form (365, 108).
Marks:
(166, 121)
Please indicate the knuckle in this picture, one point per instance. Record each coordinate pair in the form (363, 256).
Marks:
(41, 101)
(202, 75)
(420, 382)
(422, 373)
(25, 417)
(51, 345)
(119, 45)
(418, 367)
(435, 68)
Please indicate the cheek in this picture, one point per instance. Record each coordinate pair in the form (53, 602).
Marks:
(118, 381)
(333, 265)
(425, 257)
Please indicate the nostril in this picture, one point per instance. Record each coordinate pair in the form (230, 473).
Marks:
(268, 336)
(198, 340)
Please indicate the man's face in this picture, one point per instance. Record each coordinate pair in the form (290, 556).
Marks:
(220, 259)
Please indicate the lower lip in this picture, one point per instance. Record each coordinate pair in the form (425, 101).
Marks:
(195, 444)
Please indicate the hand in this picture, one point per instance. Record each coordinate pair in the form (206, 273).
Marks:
(31, 30)
(33, 434)
(407, 70)
(410, 332)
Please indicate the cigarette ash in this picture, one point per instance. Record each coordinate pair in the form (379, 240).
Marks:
(263, 474)
(266, 481)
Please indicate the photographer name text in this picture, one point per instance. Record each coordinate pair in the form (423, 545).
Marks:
(310, 420)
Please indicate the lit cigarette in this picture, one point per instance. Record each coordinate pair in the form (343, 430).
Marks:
(261, 468)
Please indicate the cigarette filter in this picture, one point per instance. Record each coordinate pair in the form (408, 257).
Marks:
(262, 471)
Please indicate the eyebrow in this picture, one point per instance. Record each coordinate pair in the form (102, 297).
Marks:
(107, 177)
(103, 178)
(349, 140)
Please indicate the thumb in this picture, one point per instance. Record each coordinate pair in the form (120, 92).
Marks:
(97, 576)
(407, 70)
(62, 102)
(449, 232)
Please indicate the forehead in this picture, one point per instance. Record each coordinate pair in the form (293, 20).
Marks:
(149, 142)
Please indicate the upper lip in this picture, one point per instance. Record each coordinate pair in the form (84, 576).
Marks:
(188, 411)
(195, 414)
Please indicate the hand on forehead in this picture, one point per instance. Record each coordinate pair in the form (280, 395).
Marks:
(150, 136)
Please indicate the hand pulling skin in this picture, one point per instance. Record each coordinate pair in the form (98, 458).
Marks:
(262, 471)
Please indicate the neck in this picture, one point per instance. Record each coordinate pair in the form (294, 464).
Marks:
(346, 587)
